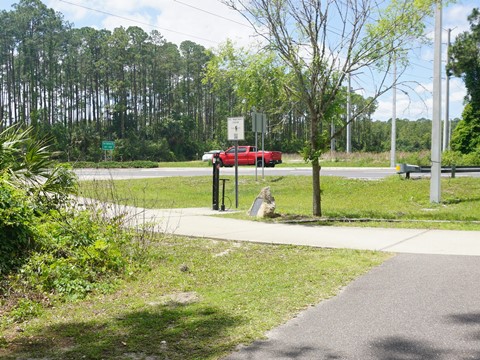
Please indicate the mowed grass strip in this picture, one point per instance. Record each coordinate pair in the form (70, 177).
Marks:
(393, 198)
(193, 299)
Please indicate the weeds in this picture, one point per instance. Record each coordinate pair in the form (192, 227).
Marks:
(83, 249)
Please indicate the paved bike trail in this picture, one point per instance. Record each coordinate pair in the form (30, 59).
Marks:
(411, 307)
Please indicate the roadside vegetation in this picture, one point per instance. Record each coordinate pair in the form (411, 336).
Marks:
(51, 251)
(86, 288)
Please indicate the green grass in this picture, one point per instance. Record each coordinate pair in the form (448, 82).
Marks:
(392, 198)
(194, 299)
(114, 164)
(184, 164)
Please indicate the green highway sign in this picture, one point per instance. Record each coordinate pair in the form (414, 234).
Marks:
(108, 145)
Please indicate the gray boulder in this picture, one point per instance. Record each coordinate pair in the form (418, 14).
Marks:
(264, 205)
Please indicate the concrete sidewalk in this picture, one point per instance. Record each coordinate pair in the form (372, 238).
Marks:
(198, 222)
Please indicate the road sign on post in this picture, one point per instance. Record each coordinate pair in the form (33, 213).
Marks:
(259, 125)
(236, 128)
(108, 145)
(236, 132)
(259, 122)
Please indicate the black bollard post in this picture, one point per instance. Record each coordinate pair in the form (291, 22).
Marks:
(216, 179)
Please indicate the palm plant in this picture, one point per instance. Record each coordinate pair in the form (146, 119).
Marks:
(26, 163)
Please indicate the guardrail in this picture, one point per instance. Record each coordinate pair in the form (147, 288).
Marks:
(407, 169)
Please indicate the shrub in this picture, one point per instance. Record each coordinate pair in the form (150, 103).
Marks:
(466, 136)
(75, 255)
(16, 227)
(457, 158)
(46, 247)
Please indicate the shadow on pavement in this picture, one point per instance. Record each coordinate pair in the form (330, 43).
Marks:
(395, 348)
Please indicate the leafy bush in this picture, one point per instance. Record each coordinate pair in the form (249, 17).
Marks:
(17, 223)
(75, 255)
(457, 158)
(25, 309)
(466, 136)
(137, 148)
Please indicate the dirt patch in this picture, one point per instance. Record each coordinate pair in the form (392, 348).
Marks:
(182, 298)
(139, 356)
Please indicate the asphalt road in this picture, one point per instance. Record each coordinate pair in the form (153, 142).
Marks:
(411, 307)
(118, 174)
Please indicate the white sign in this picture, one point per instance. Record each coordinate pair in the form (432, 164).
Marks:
(236, 128)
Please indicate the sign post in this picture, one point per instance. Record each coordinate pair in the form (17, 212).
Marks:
(108, 146)
(236, 132)
(259, 124)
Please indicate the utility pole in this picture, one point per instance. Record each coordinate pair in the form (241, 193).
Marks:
(393, 143)
(349, 125)
(446, 124)
(435, 190)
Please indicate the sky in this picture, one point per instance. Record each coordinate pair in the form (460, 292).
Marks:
(210, 23)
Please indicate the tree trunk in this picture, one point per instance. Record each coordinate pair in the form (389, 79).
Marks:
(317, 200)
(314, 157)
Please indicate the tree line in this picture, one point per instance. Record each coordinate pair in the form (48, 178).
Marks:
(465, 63)
(156, 100)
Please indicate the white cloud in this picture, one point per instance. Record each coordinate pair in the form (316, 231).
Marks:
(455, 18)
(208, 22)
(209, 26)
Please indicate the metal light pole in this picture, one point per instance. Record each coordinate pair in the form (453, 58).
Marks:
(446, 124)
(435, 185)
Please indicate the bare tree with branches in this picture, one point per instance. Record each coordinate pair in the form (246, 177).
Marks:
(322, 41)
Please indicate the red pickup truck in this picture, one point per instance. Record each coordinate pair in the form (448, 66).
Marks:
(249, 155)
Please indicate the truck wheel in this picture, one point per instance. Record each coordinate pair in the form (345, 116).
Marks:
(259, 162)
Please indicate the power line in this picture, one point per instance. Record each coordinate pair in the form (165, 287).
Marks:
(211, 13)
(138, 22)
(421, 66)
